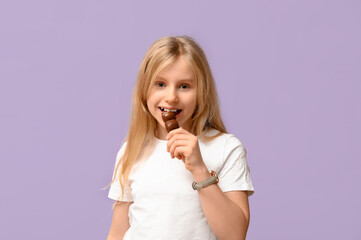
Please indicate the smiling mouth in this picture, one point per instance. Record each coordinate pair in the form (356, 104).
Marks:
(167, 110)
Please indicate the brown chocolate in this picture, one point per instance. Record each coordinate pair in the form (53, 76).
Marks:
(171, 125)
(170, 121)
(168, 116)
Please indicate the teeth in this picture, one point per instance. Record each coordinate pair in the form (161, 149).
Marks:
(168, 110)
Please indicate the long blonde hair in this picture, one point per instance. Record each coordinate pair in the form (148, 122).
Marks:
(143, 125)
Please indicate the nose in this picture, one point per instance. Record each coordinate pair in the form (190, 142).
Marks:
(171, 95)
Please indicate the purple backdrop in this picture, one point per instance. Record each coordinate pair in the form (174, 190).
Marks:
(288, 75)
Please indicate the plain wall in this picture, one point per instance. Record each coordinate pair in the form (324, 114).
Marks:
(288, 77)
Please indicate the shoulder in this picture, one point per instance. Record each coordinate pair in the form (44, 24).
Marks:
(224, 144)
(224, 148)
(224, 139)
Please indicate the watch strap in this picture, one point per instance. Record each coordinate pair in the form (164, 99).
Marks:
(207, 182)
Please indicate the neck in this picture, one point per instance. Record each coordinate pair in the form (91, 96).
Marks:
(161, 133)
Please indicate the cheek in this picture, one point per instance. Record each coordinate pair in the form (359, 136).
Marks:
(193, 102)
(152, 99)
(155, 95)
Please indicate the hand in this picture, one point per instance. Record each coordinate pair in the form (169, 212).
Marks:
(183, 143)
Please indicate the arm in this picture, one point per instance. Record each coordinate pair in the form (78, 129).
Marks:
(227, 213)
(120, 222)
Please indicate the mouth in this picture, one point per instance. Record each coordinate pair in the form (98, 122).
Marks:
(176, 111)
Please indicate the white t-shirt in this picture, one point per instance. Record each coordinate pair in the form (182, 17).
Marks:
(165, 204)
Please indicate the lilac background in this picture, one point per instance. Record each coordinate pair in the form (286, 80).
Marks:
(288, 75)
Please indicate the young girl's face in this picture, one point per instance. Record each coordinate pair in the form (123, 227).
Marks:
(175, 87)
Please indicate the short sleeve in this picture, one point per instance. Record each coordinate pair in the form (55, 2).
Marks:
(115, 190)
(234, 175)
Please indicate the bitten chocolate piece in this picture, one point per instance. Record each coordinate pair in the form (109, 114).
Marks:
(171, 125)
(170, 121)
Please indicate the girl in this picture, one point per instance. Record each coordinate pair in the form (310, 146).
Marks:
(204, 195)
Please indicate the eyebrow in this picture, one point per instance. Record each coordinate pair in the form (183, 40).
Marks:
(186, 79)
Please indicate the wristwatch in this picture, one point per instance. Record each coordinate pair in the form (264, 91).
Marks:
(207, 182)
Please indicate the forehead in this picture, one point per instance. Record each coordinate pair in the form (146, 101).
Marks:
(191, 79)
(177, 70)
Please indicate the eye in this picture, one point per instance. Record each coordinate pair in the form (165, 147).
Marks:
(159, 84)
(184, 86)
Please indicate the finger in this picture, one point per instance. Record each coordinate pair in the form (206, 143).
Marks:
(172, 133)
(176, 131)
(179, 151)
(180, 157)
(175, 138)
(177, 143)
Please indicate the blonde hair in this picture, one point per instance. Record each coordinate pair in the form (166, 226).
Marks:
(143, 125)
